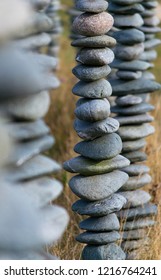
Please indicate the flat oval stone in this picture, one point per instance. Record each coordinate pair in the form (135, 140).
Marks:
(91, 6)
(96, 57)
(128, 53)
(135, 132)
(90, 73)
(129, 36)
(148, 55)
(138, 119)
(101, 238)
(142, 211)
(134, 65)
(133, 110)
(139, 223)
(104, 252)
(127, 9)
(99, 208)
(96, 89)
(150, 29)
(130, 146)
(33, 42)
(136, 182)
(90, 131)
(30, 107)
(129, 75)
(99, 186)
(136, 156)
(98, 224)
(88, 24)
(105, 147)
(150, 44)
(21, 131)
(33, 168)
(136, 169)
(128, 100)
(133, 234)
(126, 2)
(148, 75)
(92, 110)
(85, 166)
(133, 244)
(135, 198)
(128, 20)
(102, 41)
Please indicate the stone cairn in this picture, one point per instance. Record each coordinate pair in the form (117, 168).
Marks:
(28, 220)
(131, 83)
(99, 157)
(52, 12)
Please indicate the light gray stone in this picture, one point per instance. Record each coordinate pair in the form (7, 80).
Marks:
(90, 73)
(141, 108)
(129, 75)
(136, 182)
(138, 212)
(128, 100)
(139, 223)
(136, 198)
(135, 132)
(130, 146)
(91, 6)
(136, 156)
(95, 57)
(137, 119)
(128, 53)
(133, 234)
(128, 21)
(136, 169)
(133, 244)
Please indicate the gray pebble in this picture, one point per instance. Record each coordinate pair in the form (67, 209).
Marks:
(104, 252)
(136, 182)
(125, 9)
(135, 132)
(138, 119)
(95, 42)
(130, 146)
(99, 208)
(139, 223)
(150, 44)
(129, 75)
(128, 20)
(133, 244)
(105, 147)
(142, 211)
(128, 53)
(96, 89)
(149, 29)
(133, 110)
(136, 169)
(133, 234)
(135, 198)
(99, 186)
(90, 73)
(136, 156)
(96, 57)
(135, 65)
(128, 100)
(101, 238)
(129, 36)
(91, 6)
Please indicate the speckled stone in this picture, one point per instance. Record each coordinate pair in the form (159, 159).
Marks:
(135, 132)
(139, 223)
(100, 224)
(101, 238)
(129, 36)
(96, 89)
(124, 52)
(136, 169)
(135, 198)
(128, 20)
(104, 252)
(136, 182)
(96, 57)
(128, 100)
(102, 41)
(133, 234)
(138, 119)
(90, 73)
(88, 167)
(133, 110)
(91, 6)
(142, 211)
(130, 146)
(88, 24)
(105, 147)
(99, 208)
(92, 110)
(98, 187)
(90, 131)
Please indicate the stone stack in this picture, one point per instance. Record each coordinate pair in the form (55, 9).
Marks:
(99, 157)
(52, 12)
(30, 221)
(131, 83)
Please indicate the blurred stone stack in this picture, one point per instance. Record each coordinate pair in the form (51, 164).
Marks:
(131, 84)
(73, 12)
(99, 154)
(52, 12)
(28, 219)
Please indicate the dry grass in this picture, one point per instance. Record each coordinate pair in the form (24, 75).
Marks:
(60, 119)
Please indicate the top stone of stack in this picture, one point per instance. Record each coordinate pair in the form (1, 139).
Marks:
(91, 6)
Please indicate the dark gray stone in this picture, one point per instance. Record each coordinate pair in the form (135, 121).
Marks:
(136, 169)
(128, 53)
(95, 57)
(99, 186)
(129, 36)
(135, 198)
(92, 6)
(101, 238)
(105, 147)
(90, 131)
(135, 132)
(128, 9)
(95, 42)
(99, 224)
(150, 44)
(130, 146)
(128, 100)
(133, 110)
(97, 89)
(138, 119)
(136, 182)
(135, 65)
(134, 20)
(136, 156)
(88, 167)
(133, 234)
(149, 29)
(129, 75)
(127, 2)
(99, 208)
(104, 252)
(90, 73)
(142, 211)
(139, 223)
(92, 110)
(148, 55)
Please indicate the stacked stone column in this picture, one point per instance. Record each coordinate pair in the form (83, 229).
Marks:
(99, 158)
(26, 77)
(131, 84)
